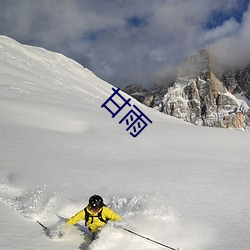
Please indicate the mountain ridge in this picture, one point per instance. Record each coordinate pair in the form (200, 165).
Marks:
(201, 95)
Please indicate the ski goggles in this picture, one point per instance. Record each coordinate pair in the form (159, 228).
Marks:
(94, 208)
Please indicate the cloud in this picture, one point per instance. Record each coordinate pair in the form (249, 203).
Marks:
(121, 41)
(228, 28)
(233, 49)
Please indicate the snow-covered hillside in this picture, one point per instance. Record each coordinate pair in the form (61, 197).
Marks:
(179, 184)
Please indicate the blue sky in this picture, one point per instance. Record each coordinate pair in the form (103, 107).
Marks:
(131, 41)
(218, 17)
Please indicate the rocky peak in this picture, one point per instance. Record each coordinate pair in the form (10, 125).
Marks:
(201, 97)
(197, 64)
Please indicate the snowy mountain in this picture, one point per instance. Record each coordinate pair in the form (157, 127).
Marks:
(237, 81)
(182, 185)
(201, 95)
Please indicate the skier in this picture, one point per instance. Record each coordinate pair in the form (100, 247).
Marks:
(95, 214)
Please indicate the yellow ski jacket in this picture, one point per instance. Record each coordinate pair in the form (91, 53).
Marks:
(94, 223)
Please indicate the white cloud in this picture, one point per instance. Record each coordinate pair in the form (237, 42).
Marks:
(97, 32)
(228, 28)
(233, 50)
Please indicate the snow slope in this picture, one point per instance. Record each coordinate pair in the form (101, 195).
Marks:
(176, 183)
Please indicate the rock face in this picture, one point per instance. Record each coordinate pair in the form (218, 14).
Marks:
(201, 97)
(136, 90)
(237, 81)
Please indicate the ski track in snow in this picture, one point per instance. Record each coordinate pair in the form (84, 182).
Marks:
(145, 214)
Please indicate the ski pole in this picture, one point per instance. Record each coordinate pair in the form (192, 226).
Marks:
(45, 228)
(146, 238)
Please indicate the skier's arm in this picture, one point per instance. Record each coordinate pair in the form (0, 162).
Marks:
(77, 217)
(110, 214)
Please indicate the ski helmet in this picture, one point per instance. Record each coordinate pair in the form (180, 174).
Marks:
(95, 202)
